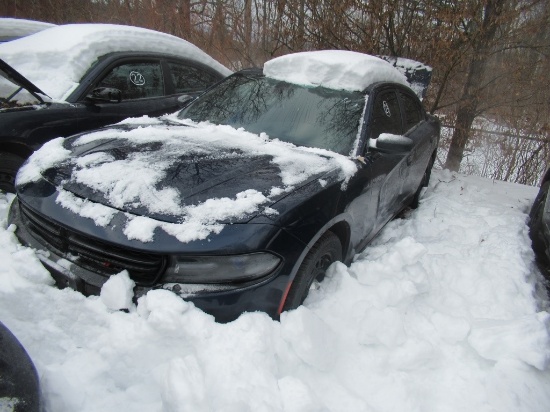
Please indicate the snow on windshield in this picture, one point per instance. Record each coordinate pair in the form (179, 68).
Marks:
(333, 69)
(135, 179)
(56, 59)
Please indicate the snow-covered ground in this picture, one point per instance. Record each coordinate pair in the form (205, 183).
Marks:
(440, 313)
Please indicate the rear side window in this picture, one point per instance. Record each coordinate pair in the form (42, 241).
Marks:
(413, 111)
(190, 79)
(386, 115)
(136, 80)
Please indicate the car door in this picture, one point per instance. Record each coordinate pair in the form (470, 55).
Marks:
(148, 86)
(143, 91)
(422, 133)
(391, 166)
(374, 191)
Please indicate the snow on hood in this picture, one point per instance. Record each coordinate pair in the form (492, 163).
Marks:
(333, 69)
(77, 46)
(136, 179)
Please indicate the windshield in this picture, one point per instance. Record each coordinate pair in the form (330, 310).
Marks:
(12, 95)
(305, 116)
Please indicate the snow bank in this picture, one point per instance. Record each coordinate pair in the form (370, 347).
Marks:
(56, 59)
(333, 69)
(439, 313)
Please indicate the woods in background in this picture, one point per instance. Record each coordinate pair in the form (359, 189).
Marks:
(490, 58)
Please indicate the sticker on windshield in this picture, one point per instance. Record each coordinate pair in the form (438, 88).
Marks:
(138, 79)
(386, 108)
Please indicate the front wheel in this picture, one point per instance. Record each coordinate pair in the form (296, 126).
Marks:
(9, 165)
(327, 250)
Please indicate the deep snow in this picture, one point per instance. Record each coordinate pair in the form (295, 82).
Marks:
(439, 313)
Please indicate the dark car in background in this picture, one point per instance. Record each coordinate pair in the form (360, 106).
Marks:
(241, 201)
(539, 226)
(19, 384)
(72, 78)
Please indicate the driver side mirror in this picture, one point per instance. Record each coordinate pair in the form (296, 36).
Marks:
(391, 143)
(105, 95)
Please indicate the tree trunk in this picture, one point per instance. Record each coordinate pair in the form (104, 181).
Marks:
(467, 110)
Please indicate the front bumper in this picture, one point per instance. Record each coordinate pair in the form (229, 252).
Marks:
(224, 302)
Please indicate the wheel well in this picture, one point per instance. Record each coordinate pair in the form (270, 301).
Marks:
(17, 149)
(342, 231)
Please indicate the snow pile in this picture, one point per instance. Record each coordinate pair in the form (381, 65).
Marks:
(439, 313)
(14, 28)
(333, 69)
(135, 179)
(76, 48)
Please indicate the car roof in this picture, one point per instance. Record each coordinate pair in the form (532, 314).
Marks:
(333, 69)
(56, 59)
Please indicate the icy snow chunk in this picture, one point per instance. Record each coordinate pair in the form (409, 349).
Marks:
(161, 304)
(118, 291)
(333, 69)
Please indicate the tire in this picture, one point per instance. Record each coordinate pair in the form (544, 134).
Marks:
(327, 250)
(9, 165)
(536, 228)
(415, 202)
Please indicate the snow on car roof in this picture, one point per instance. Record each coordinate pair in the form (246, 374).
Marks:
(333, 69)
(15, 28)
(56, 59)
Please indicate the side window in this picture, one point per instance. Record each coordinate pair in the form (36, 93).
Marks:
(136, 80)
(386, 115)
(413, 111)
(190, 79)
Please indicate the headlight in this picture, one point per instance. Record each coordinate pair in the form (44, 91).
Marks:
(221, 269)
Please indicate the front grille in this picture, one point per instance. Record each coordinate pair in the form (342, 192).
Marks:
(97, 256)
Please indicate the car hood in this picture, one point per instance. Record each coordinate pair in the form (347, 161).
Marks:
(167, 180)
(14, 76)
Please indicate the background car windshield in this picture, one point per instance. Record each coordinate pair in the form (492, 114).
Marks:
(12, 95)
(313, 117)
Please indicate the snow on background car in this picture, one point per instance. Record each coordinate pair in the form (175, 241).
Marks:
(77, 46)
(15, 28)
(441, 312)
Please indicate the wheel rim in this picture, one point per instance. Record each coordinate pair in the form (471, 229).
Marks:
(321, 267)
